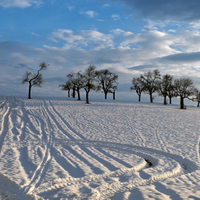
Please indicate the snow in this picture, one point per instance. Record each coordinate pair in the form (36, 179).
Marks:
(65, 149)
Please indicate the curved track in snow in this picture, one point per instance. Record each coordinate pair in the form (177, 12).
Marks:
(94, 165)
(6, 109)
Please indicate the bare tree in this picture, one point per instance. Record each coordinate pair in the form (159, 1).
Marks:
(107, 81)
(198, 98)
(34, 79)
(137, 86)
(114, 94)
(79, 83)
(149, 82)
(165, 87)
(89, 79)
(72, 80)
(67, 86)
(171, 92)
(184, 88)
(75, 82)
(195, 98)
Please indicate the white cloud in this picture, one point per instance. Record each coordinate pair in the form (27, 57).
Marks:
(141, 49)
(70, 7)
(35, 34)
(151, 43)
(106, 50)
(89, 13)
(174, 53)
(19, 3)
(171, 31)
(115, 17)
(121, 32)
(106, 5)
(91, 39)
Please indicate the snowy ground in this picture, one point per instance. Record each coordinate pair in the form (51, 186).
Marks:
(64, 149)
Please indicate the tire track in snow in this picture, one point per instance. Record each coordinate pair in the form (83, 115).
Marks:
(116, 187)
(3, 103)
(152, 155)
(198, 149)
(136, 130)
(39, 173)
(9, 104)
(3, 110)
(179, 165)
(8, 188)
(169, 192)
(139, 135)
(84, 141)
(55, 122)
(160, 141)
(68, 131)
(71, 134)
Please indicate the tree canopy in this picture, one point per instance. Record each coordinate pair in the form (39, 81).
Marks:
(184, 88)
(149, 82)
(35, 80)
(107, 81)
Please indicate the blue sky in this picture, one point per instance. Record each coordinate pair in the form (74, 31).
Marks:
(127, 37)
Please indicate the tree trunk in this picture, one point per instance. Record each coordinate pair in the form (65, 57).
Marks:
(105, 95)
(29, 91)
(181, 102)
(87, 97)
(79, 97)
(170, 100)
(68, 93)
(198, 103)
(165, 100)
(139, 97)
(74, 93)
(114, 95)
(151, 98)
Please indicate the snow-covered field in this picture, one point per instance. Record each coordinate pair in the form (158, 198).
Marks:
(60, 149)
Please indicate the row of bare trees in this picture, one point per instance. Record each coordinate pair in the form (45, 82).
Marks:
(91, 79)
(152, 81)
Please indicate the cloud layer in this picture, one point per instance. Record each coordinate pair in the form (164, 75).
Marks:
(86, 38)
(170, 10)
(19, 3)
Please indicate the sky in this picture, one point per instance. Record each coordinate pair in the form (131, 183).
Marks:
(128, 37)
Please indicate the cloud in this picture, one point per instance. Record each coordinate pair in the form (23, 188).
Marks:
(16, 58)
(70, 7)
(10, 48)
(182, 58)
(89, 13)
(170, 10)
(137, 51)
(35, 34)
(142, 67)
(20, 3)
(84, 39)
(115, 17)
(124, 47)
(124, 52)
(106, 5)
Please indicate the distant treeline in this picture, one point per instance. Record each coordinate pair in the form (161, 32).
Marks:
(91, 79)
(152, 81)
(103, 80)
